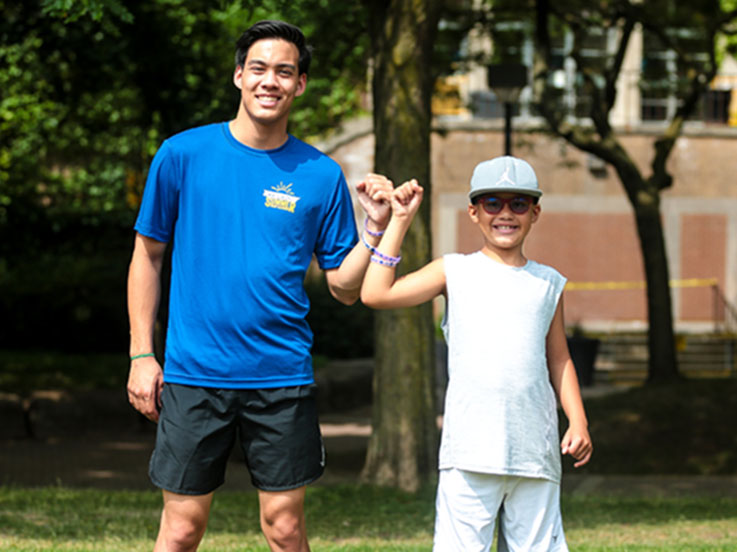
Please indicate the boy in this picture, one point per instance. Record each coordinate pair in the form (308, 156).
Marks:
(507, 359)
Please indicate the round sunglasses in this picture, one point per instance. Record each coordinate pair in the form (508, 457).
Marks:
(493, 205)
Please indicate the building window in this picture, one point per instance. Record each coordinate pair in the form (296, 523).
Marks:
(664, 79)
(715, 106)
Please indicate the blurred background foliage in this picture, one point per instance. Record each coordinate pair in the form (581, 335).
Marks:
(90, 88)
(88, 91)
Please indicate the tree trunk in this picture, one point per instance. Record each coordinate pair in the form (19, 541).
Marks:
(644, 196)
(663, 365)
(402, 450)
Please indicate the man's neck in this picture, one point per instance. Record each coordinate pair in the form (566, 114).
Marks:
(257, 136)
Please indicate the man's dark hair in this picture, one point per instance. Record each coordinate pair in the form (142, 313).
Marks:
(274, 29)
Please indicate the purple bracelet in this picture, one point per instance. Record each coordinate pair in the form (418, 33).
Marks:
(378, 253)
(383, 262)
(369, 232)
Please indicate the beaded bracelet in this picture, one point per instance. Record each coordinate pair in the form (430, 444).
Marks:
(384, 262)
(369, 232)
(378, 253)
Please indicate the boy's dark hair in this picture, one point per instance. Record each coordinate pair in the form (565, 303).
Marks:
(274, 29)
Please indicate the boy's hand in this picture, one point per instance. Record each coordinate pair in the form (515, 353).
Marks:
(374, 195)
(406, 199)
(577, 443)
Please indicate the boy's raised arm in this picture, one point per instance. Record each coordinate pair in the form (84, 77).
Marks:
(381, 289)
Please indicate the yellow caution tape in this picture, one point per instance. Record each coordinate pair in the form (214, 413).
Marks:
(688, 283)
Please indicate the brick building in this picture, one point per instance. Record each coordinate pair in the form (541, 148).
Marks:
(587, 228)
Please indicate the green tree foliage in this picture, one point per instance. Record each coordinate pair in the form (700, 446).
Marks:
(729, 44)
(97, 10)
(691, 33)
(91, 88)
(88, 91)
(86, 103)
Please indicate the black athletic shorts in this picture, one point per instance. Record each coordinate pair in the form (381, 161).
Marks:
(278, 432)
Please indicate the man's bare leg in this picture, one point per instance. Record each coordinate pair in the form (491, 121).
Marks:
(283, 520)
(183, 522)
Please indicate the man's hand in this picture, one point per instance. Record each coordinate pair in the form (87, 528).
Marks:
(145, 382)
(374, 195)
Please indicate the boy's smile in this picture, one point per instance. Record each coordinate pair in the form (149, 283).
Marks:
(506, 228)
(504, 232)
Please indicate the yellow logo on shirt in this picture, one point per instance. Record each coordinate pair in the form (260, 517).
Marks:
(281, 197)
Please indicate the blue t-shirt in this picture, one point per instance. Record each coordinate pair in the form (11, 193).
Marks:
(245, 224)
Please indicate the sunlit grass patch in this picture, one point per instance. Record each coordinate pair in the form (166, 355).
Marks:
(349, 518)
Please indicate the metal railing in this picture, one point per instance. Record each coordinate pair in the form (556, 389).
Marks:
(728, 312)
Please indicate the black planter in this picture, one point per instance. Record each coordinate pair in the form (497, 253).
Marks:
(583, 354)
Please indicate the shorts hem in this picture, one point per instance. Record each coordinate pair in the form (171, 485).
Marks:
(181, 491)
(276, 489)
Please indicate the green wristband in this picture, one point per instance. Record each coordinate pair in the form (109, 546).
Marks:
(134, 357)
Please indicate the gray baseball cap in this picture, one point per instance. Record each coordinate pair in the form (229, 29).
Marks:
(504, 174)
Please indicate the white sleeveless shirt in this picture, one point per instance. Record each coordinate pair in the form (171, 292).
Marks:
(500, 407)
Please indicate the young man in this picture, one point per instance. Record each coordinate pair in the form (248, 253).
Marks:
(507, 359)
(245, 206)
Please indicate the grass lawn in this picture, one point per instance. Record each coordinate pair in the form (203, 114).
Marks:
(681, 428)
(348, 518)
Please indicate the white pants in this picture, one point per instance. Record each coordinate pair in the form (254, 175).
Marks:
(467, 505)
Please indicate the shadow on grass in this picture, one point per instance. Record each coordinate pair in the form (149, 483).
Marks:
(685, 427)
